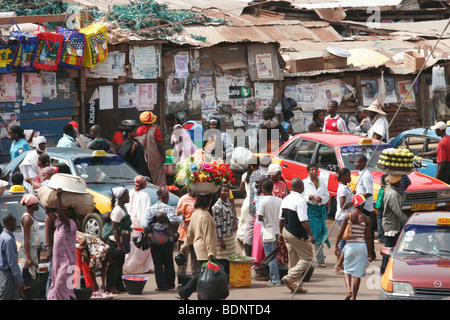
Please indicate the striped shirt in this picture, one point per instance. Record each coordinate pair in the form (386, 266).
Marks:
(358, 233)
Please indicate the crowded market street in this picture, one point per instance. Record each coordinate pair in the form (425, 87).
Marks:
(324, 284)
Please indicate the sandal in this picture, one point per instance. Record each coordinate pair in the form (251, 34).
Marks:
(348, 295)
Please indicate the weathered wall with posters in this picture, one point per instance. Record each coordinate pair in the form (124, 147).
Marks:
(234, 82)
(41, 101)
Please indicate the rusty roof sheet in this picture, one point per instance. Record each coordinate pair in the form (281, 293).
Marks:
(215, 34)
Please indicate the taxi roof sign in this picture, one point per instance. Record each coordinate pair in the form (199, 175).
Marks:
(99, 153)
(365, 142)
(17, 189)
(443, 221)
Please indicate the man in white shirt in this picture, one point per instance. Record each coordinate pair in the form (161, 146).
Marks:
(316, 195)
(268, 214)
(295, 229)
(365, 187)
(380, 125)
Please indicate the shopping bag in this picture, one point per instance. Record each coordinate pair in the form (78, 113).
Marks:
(48, 52)
(7, 49)
(25, 52)
(212, 282)
(73, 48)
(95, 45)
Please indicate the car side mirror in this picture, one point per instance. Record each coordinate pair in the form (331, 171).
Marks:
(386, 251)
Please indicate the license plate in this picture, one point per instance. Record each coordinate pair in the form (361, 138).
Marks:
(423, 206)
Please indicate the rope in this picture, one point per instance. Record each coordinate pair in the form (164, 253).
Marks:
(376, 148)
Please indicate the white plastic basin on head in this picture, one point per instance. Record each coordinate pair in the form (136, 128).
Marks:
(67, 182)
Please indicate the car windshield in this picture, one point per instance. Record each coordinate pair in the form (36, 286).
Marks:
(104, 169)
(349, 153)
(15, 208)
(424, 240)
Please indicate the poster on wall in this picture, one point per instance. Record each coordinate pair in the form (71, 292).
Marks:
(127, 95)
(403, 87)
(48, 80)
(147, 96)
(112, 68)
(390, 95)
(208, 99)
(105, 97)
(7, 120)
(312, 96)
(31, 87)
(181, 65)
(264, 66)
(369, 90)
(8, 87)
(144, 62)
(175, 89)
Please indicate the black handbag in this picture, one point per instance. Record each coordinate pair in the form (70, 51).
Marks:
(142, 241)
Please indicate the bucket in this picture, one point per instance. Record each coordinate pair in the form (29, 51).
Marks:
(240, 274)
(134, 283)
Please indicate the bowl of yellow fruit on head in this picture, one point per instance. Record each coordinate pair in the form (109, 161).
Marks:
(396, 160)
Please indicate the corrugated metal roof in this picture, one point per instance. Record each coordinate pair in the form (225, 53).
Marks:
(262, 33)
(320, 4)
(432, 28)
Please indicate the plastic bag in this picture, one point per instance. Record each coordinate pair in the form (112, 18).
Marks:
(48, 52)
(73, 48)
(212, 282)
(7, 50)
(25, 50)
(96, 45)
(438, 79)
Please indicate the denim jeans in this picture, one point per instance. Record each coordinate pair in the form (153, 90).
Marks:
(342, 242)
(273, 266)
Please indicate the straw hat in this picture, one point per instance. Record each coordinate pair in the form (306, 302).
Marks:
(376, 107)
(393, 178)
(147, 117)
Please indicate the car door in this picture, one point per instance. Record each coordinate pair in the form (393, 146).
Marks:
(295, 158)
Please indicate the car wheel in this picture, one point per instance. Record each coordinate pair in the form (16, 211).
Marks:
(93, 224)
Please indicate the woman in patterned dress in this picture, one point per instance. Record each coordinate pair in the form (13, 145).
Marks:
(150, 137)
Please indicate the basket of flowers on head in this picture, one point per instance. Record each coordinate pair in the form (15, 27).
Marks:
(201, 173)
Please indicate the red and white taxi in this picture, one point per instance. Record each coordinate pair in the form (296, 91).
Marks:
(332, 151)
(419, 264)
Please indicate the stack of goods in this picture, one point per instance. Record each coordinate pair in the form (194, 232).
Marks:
(396, 160)
(74, 193)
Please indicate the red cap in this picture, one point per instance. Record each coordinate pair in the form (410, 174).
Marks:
(74, 124)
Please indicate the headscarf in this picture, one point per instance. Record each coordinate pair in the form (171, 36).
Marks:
(358, 200)
(49, 171)
(273, 169)
(162, 192)
(37, 141)
(118, 192)
(140, 181)
(29, 199)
